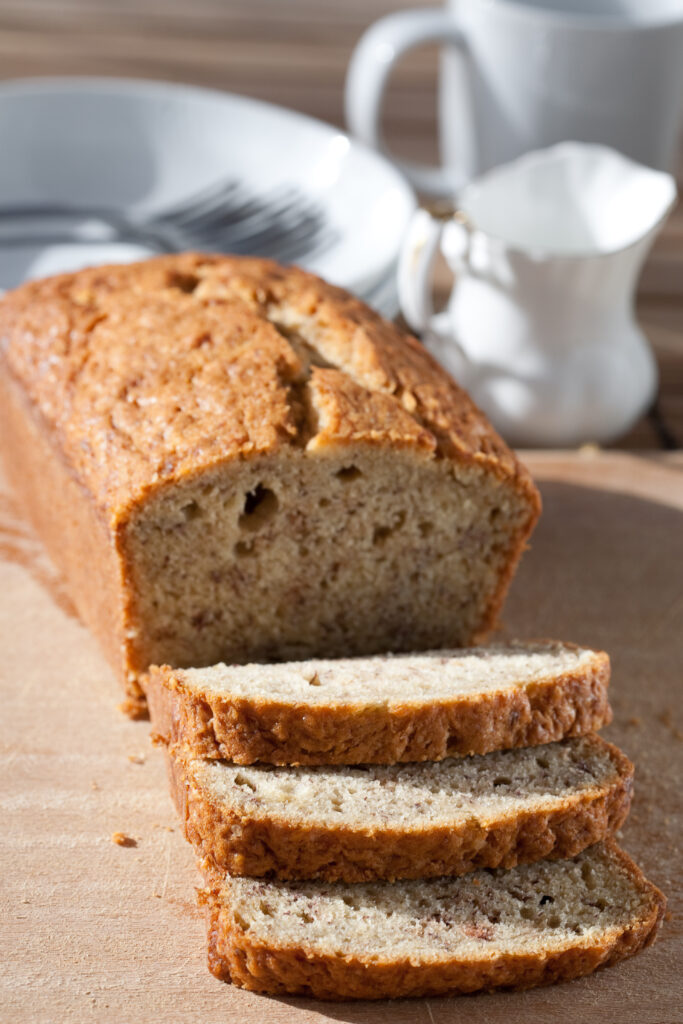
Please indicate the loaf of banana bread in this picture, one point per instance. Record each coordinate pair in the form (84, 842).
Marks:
(230, 460)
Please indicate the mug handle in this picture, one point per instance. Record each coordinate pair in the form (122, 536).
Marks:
(371, 63)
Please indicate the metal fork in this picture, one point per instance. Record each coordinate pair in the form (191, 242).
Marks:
(224, 217)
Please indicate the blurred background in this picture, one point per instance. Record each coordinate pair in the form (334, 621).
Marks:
(295, 53)
(291, 52)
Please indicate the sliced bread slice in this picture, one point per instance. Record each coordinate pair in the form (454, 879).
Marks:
(402, 821)
(384, 709)
(535, 924)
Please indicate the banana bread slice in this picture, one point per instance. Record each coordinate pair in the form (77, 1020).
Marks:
(532, 925)
(384, 709)
(402, 821)
(232, 460)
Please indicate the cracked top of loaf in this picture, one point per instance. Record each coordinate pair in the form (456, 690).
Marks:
(148, 372)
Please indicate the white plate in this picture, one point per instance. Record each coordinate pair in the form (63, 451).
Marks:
(137, 148)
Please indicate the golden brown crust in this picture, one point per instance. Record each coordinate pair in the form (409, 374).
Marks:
(92, 349)
(67, 522)
(137, 377)
(277, 847)
(246, 731)
(234, 957)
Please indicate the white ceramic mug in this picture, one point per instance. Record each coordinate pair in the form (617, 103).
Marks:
(520, 75)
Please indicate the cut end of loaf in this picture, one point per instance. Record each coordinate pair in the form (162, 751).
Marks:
(347, 553)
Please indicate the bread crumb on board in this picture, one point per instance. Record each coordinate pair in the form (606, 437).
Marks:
(666, 719)
(121, 839)
(137, 758)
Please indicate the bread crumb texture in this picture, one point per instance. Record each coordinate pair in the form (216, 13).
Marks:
(534, 924)
(402, 679)
(357, 824)
(383, 709)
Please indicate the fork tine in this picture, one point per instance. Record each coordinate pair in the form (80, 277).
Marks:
(213, 209)
(225, 213)
(269, 218)
(255, 229)
(226, 217)
(229, 201)
(216, 191)
(279, 244)
(268, 233)
(290, 254)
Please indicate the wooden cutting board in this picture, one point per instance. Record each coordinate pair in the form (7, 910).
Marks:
(96, 931)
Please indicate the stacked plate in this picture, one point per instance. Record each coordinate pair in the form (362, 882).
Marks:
(107, 170)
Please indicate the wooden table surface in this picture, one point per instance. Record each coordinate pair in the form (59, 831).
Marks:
(295, 53)
(92, 931)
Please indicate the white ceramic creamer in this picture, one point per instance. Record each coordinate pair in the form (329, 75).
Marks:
(540, 326)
